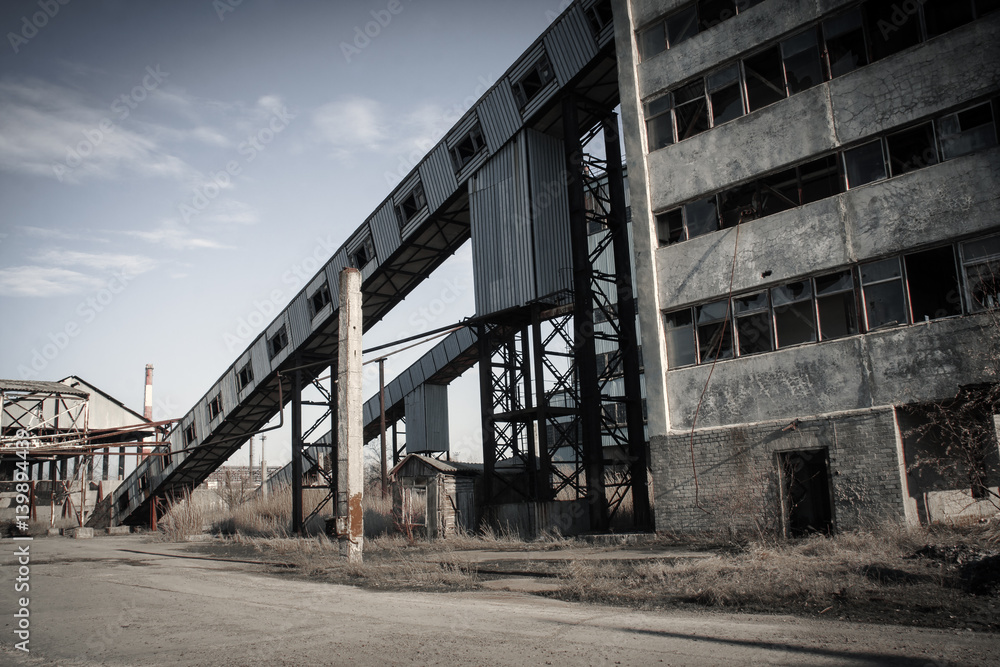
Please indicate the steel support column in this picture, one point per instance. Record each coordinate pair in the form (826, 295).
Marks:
(297, 451)
(585, 353)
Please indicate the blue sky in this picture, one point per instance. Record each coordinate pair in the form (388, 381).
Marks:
(169, 169)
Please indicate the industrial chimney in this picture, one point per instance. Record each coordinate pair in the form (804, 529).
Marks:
(147, 411)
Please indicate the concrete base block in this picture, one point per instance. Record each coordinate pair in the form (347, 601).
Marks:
(79, 533)
(118, 530)
(202, 537)
(54, 531)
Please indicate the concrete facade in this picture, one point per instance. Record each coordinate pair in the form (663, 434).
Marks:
(732, 437)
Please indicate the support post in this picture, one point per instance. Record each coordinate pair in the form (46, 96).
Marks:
(585, 352)
(628, 340)
(350, 421)
(381, 423)
(297, 450)
(486, 402)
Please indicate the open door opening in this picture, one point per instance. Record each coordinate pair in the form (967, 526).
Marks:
(807, 506)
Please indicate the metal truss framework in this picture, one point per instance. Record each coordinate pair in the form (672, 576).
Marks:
(548, 439)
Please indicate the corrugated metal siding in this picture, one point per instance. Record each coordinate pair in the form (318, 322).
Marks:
(300, 324)
(570, 44)
(499, 115)
(550, 213)
(438, 176)
(261, 365)
(502, 241)
(336, 264)
(385, 231)
(427, 419)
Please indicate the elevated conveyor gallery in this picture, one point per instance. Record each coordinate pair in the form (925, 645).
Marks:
(421, 223)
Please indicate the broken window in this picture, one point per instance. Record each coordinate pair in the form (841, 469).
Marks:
(753, 324)
(715, 335)
(738, 205)
(321, 297)
(835, 305)
(765, 78)
(244, 377)
(911, 149)
(277, 342)
(670, 227)
(411, 205)
(468, 148)
(803, 65)
(819, 179)
(778, 192)
(688, 22)
(890, 29)
(940, 16)
(691, 110)
(652, 40)
(724, 91)
(600, 16)
(882, 287)
(359, 260)
(190, 434)
(932, 282)
(215, 407)
(682, 25)
(679, 330)
(845, 43)
(865, 164)
(981, 264)
(967, 131)
(794, 316)
(700, 217)
(659, 122)
(532, 83)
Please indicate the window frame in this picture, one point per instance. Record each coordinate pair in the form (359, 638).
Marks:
(280, 336)
(215, 407)
(323, 289)
(419, 197)
(478, 141)
(190, 433)
(542, 67)
(967, 285)
(241, 382)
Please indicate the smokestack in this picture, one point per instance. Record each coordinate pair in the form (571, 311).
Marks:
(148, 404)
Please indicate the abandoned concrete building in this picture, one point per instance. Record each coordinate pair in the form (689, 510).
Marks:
(815, 192)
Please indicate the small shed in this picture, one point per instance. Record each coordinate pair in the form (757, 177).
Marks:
(438, 495)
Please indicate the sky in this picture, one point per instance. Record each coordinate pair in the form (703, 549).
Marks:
(171, 171)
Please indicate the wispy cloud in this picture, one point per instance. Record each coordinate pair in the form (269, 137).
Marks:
(102, 262)
(351, 123)
(175, 236)
(45, 281)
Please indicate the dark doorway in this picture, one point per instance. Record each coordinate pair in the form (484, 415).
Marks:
(806, 501)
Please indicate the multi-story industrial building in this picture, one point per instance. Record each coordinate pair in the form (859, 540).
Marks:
(814, 190)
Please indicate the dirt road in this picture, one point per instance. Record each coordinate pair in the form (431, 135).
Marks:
(99, 602)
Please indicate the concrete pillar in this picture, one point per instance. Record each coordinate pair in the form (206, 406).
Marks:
(350, 438)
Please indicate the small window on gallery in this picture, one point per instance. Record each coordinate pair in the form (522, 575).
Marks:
(765, 78)
(679, 329)
(600, 16)
(967, 131)
(883, 295)
(932, 280)
(835, 305)
(190, 434)
(845, 43)
(803, 64)
(981, 265)
(319, 299)
(244, 377)
(753, 324)
(528, 86)
(360, 257)
(468, 148)
(911, 149)
(215, 407)
(794, 317)
(715, 334)
(411, 205)
(277, 342)
(865, 164)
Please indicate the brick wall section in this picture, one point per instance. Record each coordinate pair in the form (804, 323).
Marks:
(737, 473)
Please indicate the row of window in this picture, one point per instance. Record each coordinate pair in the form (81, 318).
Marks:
(949, 136)
(836, 46)
(687, 22)
(906, 289)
